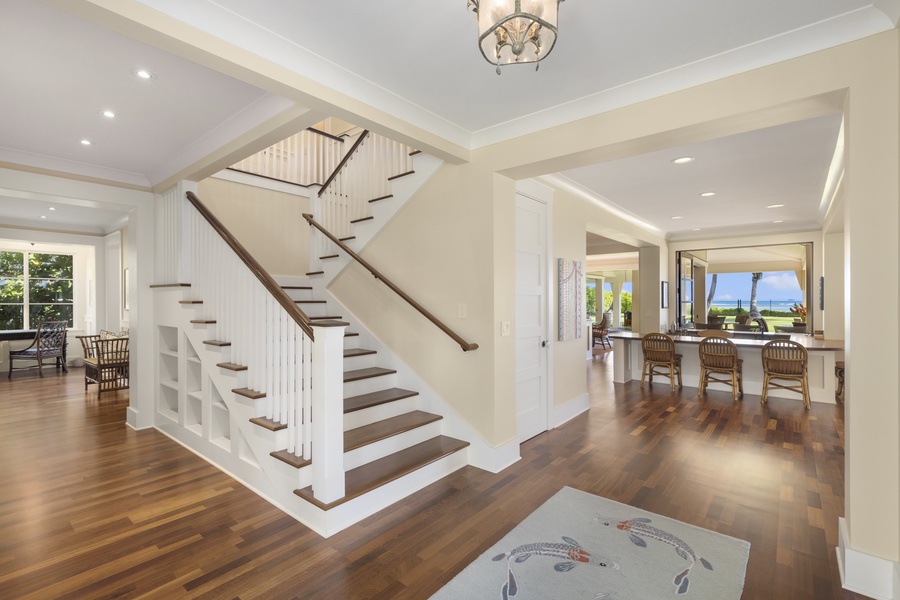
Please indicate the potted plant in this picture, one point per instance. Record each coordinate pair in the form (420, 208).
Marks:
(800, 310)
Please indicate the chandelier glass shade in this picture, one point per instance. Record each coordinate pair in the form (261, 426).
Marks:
(516, 31)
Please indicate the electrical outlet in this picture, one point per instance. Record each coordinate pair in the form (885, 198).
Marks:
(504, 328)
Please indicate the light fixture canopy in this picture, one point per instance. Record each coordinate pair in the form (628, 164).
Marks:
(516, 31)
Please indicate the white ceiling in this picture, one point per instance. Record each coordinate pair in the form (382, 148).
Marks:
(419, 62)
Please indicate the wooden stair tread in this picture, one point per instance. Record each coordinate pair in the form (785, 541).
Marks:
(248, 393)
(329, 256)
(190, 302)
(351, 334)
(348, 238)
(326, 318)
(296, 287)
(203, 321)
(380, 198)
(310, 301)
(399, 175)
(217, 343)
(168, 285)
(295, 461)
(232, 366)
(268, 423)
(354, 403)
(353, 352)
(380, 430)
(385, 470)
(367, 373)
(316, 273)
(362, 219)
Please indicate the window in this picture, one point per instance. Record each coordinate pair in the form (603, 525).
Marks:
(33, 287)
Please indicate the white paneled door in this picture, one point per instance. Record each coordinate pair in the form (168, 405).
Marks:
(531, 317)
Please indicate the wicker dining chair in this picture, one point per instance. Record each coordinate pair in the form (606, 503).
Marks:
(785, 360)
(660, 359)
(839, 373)
(722, 333)
(719, 356)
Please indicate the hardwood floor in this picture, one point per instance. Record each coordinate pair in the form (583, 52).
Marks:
(92, 509)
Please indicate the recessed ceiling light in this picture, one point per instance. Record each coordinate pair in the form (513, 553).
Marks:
(778, 221)
(678, 217)
(707, 194)
(683, 160)
(775, 206)
(143, 74)
(696, 229)
(108, 114)
(43, 216)
(52, 208)
(86, 142)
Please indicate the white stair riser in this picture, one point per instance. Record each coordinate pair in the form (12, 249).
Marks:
(366, 416)
(352, 363)
(353, 511)
(372, 384)
(395, 443)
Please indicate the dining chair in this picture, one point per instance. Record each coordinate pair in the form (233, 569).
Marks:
(660, 359)
(719, 356)
(839, 373)
(49, 343)
(785, 360)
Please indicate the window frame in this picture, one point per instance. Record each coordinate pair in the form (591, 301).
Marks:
(26, 303)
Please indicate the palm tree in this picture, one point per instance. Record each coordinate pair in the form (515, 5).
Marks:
(754, 312)
(712, 291)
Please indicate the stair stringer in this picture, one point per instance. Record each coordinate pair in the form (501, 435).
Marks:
(480, 453)
(270, 478)
(383, 212)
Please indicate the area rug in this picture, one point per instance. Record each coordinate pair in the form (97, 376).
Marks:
(578, 545)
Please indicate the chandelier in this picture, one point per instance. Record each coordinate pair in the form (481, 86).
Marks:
(516, 31)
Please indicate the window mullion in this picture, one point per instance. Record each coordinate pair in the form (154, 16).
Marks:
(26, 300)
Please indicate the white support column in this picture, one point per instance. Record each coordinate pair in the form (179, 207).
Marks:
(617, 304)
(328, 412)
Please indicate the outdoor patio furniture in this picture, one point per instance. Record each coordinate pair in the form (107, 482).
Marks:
(660, 358)
(785, 360)
(49, 343)
(719, 356)
(601, 332)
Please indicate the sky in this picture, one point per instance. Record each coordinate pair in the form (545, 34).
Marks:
(773, 286)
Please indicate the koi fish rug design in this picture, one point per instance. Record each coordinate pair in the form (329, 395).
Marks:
(640, 528)
(570, 551)
(559, 551)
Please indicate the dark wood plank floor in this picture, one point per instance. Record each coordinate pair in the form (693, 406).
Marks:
(92, 509)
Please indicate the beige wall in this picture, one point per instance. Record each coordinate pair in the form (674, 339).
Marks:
(573, 215)
(268, 223)
(452, 243)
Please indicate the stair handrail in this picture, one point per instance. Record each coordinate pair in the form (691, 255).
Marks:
(261, 274)
(466, 346)
(344, 161)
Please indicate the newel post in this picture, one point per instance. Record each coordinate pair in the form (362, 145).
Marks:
(328, 411)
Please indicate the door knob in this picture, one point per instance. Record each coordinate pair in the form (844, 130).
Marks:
(544, 344)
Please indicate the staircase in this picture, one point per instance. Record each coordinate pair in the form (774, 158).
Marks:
(243, 403)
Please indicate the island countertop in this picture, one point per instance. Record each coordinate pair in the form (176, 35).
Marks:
(807, 341)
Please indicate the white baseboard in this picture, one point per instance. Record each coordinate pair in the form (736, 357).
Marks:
(865, 574)
(563, 413)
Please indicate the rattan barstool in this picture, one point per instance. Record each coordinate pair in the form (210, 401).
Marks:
(785, 360)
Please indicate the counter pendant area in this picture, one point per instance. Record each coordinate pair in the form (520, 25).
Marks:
(823, 354)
